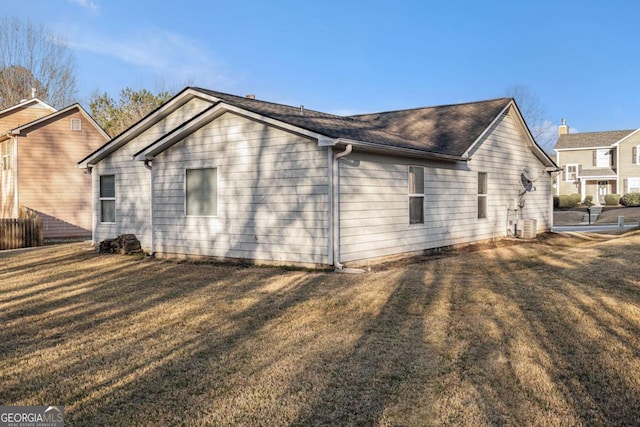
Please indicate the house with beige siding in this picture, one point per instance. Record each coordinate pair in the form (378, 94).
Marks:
(40, 147)
(217, 175)
(598, 163)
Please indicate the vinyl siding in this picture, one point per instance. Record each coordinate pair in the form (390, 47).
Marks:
(272, 194)
(584, 159)
(374, 204)
(133, 185)
(49, 181)
(21, 116)
(626, 167)
(7, 180)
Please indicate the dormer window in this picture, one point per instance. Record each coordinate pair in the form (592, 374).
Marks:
(76, 124)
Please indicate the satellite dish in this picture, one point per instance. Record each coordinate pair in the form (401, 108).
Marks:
(527, 180)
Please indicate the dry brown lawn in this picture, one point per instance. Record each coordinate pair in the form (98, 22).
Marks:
(542, 333)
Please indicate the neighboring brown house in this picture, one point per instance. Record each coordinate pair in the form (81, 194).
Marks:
(39, 147)
(598, 163)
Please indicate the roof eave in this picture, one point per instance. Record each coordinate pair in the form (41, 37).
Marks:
(211, 113)
(404, 151)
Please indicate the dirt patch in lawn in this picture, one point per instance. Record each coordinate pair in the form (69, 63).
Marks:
(542, 333)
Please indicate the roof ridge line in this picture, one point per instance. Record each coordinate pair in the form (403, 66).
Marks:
(212, 92)
(432, 106)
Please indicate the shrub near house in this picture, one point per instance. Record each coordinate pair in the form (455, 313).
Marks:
(631, 199)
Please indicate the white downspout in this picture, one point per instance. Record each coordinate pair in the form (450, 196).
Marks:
(330, 230)
(16, 189)
(336, 205)
(559, 177)
(149, 165)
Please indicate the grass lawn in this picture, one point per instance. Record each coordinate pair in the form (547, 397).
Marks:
(541, 333)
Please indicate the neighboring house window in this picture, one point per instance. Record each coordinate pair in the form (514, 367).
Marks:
(634, 155)
(416, 195)
(603, 158)
(201, 190)
(633, 185)
(6, 156)
(107, 198)
(76, 124)
(482, 194)
(571, 172)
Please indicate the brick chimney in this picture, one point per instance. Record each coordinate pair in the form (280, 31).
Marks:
(563, 129)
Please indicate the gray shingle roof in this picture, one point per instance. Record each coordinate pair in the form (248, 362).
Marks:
(588, 173)
(591, 139)
(447, 129)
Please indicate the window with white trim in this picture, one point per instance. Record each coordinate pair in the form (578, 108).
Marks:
(603, 158)
(201, 192)
(76, 124)
(571, 172)
(416, 195)
(107, 198)
(635, 155)
(633, 185)
(483, 190)
(5, 149)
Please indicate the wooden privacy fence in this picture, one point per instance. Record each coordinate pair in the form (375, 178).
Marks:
(23, 232)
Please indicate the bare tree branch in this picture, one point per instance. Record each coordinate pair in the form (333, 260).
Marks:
(535, 114)
(32, 57)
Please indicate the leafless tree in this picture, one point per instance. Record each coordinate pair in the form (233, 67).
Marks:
(32, 57)
(535, 114)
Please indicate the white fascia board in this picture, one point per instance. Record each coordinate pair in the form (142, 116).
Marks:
(158, 146)
(141, 126)
(532, 141)
(400, 151)
(19, 130)
(27, 102)
(484, 132)
(602, 147)
(93, 122)
(537, 151)
(600, 177)
(626, 137)
(325, 141)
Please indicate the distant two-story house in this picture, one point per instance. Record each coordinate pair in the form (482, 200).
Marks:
(39, 148)
(598, 163)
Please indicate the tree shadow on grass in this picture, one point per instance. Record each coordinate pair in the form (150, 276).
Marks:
(390, 353)
(569, 353)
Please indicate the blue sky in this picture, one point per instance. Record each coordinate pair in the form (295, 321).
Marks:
(580, 57)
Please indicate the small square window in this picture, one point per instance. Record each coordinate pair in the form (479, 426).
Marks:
(76, 124)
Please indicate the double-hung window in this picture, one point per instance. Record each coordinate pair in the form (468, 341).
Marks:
(482, 194)
(416, 195)
(635, 155)
(6, 155)
(108, 198)
(633, 185)
(571, 173)
(201, 188)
